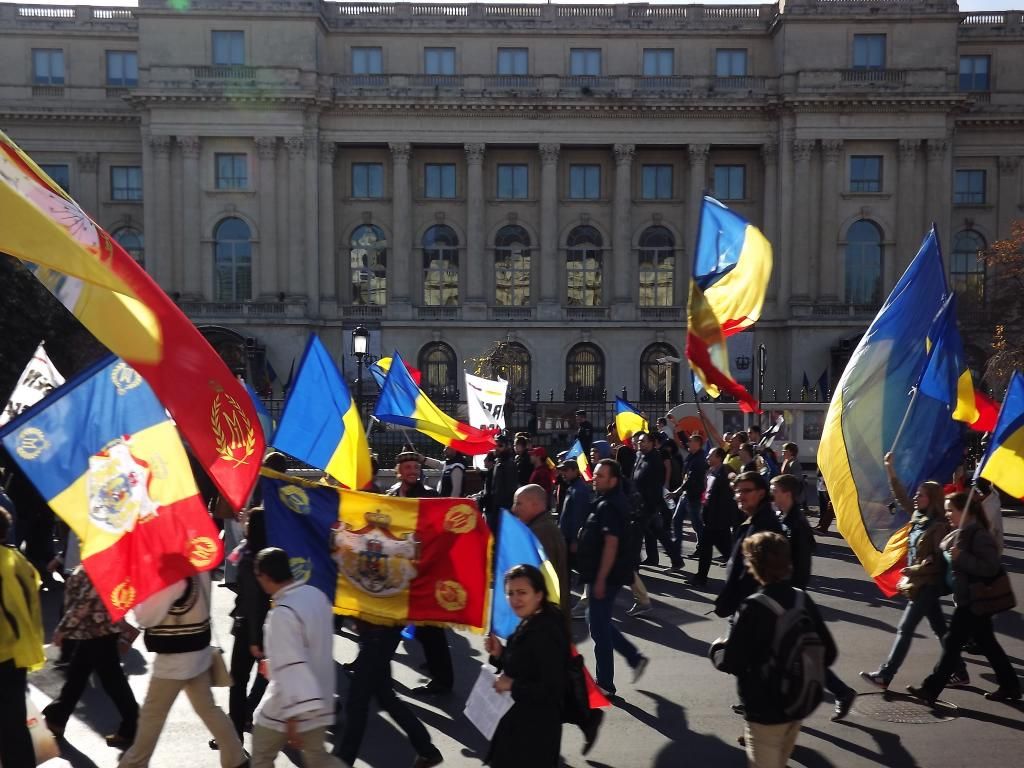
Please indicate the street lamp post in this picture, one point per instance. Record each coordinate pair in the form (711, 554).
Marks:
(762, 366)
(360, 341)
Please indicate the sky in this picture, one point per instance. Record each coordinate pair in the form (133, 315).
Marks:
(965, 5)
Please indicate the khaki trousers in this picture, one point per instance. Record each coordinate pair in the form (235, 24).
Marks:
(267, 743)
(769, 746)
(159, 698)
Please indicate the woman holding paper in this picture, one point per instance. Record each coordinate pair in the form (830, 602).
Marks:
(533, 671)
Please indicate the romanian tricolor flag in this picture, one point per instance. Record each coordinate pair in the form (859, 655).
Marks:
(107, 459)
(1003, 463)
(731, 269)
(946, 376)
(380, 369)
(321, 424)
(628, 420)
(517, 546)
(582, 460)
(384, 559)
(868, 407)
(127, 311)
(402, 402)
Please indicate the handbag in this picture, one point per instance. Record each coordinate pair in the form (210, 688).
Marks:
(219, 675)
(991, 596)
(577, 700)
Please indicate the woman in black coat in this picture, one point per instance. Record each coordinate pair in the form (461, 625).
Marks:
(533, 668)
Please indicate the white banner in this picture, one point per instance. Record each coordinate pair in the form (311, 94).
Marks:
(485, 401)
(37, 381)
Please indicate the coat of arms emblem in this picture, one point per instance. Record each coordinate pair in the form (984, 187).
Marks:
(372, 558)
(118, 488)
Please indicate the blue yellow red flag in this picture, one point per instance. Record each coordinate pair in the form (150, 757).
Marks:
(402, 402)
(582, 460)
(121, 305)
(867, 409)
(104, 455)
(628, 420)
(946, 376)
(708, 354)
(380, 369)
(517, 546)
(1003, 463)
(321, 424)
(384, 559)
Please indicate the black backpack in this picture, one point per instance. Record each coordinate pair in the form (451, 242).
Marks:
(795, 670)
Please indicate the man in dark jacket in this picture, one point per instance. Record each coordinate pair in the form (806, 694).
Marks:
(433, 639)
(769, 736)
(504, 482)
(575, 506)
(751, 491)
(649, 482)
(691, 491)
(786, 489)
(584, 430)
(524, 467)
(719, 512)
(531, 506)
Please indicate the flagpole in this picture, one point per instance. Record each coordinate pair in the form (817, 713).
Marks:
(906, 418)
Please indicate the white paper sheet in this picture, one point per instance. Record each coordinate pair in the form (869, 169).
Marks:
(485, 706)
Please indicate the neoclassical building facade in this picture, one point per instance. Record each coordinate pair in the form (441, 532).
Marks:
(451, 175)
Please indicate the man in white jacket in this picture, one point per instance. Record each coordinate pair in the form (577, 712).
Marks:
(298, 639)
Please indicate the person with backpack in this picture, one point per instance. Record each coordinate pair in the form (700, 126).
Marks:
(779, 682)
(606, 562)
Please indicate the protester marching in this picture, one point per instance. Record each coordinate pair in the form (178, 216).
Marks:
(499, 560)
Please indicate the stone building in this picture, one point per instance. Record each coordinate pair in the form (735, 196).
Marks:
(451, 175)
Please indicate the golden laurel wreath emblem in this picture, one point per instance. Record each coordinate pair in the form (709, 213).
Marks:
(201, 551)
(31, 443)
(450, 595)
(124, 378)
(232, 429)
(123, 595)
(460, 519)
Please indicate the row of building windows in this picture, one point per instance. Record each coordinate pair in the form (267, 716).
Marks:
(584, 371)
(869, 52)
(657, 250)
(657, 182)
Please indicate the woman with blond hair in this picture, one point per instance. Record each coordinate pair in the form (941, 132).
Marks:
(923, 581)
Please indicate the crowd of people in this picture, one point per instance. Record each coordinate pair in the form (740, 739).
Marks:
(735, 494)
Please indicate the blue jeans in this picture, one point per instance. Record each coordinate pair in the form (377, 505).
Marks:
(686, 508)
(925, 605)
(607, 637)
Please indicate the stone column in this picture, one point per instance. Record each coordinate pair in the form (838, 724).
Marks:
(802, 259)
(939, 188)
(148, 195)
(549, 256)
(476, 269)
(196, 279)
(266, 286)
(311, 211)
(907, 213)
(785, 214)
(620, 278)
(401, 261)
(698, 181)
(770, 215)
(158, 240)
(831, 153)
(87, 193)
(328, 248)
(1009, 193)
(296, 146)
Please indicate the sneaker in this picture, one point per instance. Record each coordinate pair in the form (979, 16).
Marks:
(877, 679)
(640, 667)
(1000, 694)
(592, 729)
(639, 609)
(959, 680)
(843, 704)
(920, 692)
(579, 611)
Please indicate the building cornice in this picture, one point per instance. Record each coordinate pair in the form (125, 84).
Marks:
(69, 117)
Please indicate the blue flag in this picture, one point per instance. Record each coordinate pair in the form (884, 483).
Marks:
(516, 546)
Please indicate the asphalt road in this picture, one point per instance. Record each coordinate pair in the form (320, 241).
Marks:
(679, 713)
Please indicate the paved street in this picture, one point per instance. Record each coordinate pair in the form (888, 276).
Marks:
(678, 714)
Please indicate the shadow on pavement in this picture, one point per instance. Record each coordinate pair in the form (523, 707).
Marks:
(891, 754)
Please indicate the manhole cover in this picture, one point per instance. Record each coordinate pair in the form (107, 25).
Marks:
(898, 708)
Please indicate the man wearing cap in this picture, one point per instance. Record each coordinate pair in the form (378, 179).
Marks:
(435, 644)
(524, 467)
(504, 482)
(575, 506)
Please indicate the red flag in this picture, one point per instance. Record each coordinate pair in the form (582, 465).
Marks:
(597, 699)
(988, 412)
(130, 314)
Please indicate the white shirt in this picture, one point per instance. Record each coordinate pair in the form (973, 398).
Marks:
(298, 639)
(151, 611)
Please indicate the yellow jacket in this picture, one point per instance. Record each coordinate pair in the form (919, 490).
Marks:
(21, 619)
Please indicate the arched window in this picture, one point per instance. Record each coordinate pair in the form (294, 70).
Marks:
(583, 267)
(369, 253)
(967, 270)
(131, 240)
(440, 266)
(232, 261)
(515, 369)
(584, 372)
(439, 369)
(864, 254)
(512, 267)
(658, 378)
(657, 263)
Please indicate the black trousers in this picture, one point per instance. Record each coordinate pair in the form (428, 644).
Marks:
(99, 655)
(15, 741)
(963, 627)
(242, 701)
(713, 538)
(371, 678)
(439, 657)
(659, 532)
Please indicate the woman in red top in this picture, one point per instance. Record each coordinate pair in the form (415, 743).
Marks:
(542, 474)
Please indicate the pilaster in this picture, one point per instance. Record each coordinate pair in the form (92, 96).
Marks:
(550, 264)
(194, 286)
